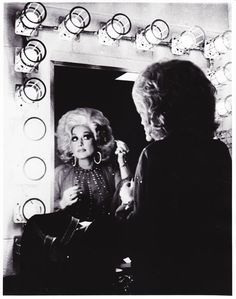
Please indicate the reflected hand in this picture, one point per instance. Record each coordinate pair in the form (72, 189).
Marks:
(70, 196)
(127, 192)
(121, 151)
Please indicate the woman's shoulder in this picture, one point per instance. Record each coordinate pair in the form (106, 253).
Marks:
(220, 147)
(63, 169)
(166, 146)
(153, 146)
(218, 143)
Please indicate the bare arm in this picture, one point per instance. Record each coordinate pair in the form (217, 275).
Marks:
(121, 152)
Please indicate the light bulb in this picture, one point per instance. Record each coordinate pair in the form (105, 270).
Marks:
(74, 23)
(32, 90)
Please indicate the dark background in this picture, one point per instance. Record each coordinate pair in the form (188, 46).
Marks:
(86, 86)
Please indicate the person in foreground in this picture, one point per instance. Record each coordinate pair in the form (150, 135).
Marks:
(180, 222)
(74, 249)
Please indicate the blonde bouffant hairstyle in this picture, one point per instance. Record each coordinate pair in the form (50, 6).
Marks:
(92, 118)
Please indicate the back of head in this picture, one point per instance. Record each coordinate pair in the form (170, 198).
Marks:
(178, 97)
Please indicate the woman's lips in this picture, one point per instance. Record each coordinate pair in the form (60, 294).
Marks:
(81, 150)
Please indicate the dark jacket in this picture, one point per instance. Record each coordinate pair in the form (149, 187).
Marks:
(182, 218)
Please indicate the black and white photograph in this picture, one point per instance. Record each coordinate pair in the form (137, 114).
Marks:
(117, 148)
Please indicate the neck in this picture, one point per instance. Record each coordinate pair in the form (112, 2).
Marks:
(86, 163)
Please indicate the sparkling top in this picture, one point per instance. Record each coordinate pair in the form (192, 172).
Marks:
(98, 186)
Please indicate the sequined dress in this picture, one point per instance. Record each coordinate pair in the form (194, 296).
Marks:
(98, 186)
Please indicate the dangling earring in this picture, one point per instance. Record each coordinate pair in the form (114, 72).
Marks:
(99, 159)
(74, 161)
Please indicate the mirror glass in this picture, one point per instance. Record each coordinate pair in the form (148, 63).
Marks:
(96, 87)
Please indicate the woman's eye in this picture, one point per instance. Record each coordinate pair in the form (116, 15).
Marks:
(87, 137)
(74, 138)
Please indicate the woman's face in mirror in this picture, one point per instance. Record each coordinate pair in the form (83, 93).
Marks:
(82, 142)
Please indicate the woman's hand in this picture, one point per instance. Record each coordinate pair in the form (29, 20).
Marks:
(70, 196)
(127, 192)
(121, 151)
(127, 198)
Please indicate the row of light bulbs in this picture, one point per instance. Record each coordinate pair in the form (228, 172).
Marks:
(31, 91)
(30, 20)
(32, 16)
